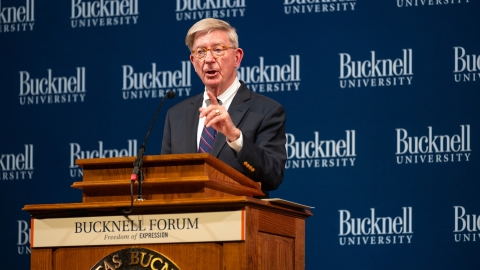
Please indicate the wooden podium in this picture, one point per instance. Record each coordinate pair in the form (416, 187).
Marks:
(187, 183)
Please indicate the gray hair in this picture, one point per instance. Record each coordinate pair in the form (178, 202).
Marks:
(207, 25)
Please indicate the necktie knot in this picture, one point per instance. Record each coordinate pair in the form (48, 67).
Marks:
(207, 101)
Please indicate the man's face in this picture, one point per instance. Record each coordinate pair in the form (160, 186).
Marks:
(216, 73)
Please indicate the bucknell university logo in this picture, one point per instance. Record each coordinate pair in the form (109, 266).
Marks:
(135, 258)
(17, 18)
(154, 83)
(272, 78)
(375, 230)
(321, 153)
(467, 226)
(199, 9)
(376, 71)
(17, 166)
(433, 148)
(467, 66)
(51, 88)
(422, 3)
(103, 13)
(317, 6)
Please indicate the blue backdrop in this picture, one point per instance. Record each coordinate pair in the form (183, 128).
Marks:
(381, 100)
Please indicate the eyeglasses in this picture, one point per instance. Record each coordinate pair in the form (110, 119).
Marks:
(217, 51)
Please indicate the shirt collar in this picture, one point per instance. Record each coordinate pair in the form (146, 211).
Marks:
(225, 97)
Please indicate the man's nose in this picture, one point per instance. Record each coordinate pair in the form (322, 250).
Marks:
(209, 56)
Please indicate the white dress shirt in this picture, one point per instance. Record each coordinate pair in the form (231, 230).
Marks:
(226, 99)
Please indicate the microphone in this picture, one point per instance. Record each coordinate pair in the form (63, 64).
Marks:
(139, 161)
(137, 173)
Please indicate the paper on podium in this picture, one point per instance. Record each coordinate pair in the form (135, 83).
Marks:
(287, 203)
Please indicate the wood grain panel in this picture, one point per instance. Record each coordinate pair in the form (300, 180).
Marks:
(300, 244)
(274, 223)
(41, 258)
(235, 256)
(275, 252)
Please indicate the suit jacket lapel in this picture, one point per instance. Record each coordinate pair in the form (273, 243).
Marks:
(191, 124)
(237, 110)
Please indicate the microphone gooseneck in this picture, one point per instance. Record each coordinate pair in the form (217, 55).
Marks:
(137, 173)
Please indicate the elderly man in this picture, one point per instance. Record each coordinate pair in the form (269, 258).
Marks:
(242, 128)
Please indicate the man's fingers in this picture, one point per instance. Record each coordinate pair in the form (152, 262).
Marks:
(203, 112)
(213, 99)
(214, 114)
(212, 118)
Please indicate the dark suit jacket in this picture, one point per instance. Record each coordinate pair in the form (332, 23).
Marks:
(262, 122)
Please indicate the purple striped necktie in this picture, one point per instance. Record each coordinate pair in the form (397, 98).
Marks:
(206, 141)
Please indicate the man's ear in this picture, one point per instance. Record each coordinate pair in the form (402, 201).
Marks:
(192, 59)
(238, 57)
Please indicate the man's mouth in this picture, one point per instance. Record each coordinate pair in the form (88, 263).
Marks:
(211, 72)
